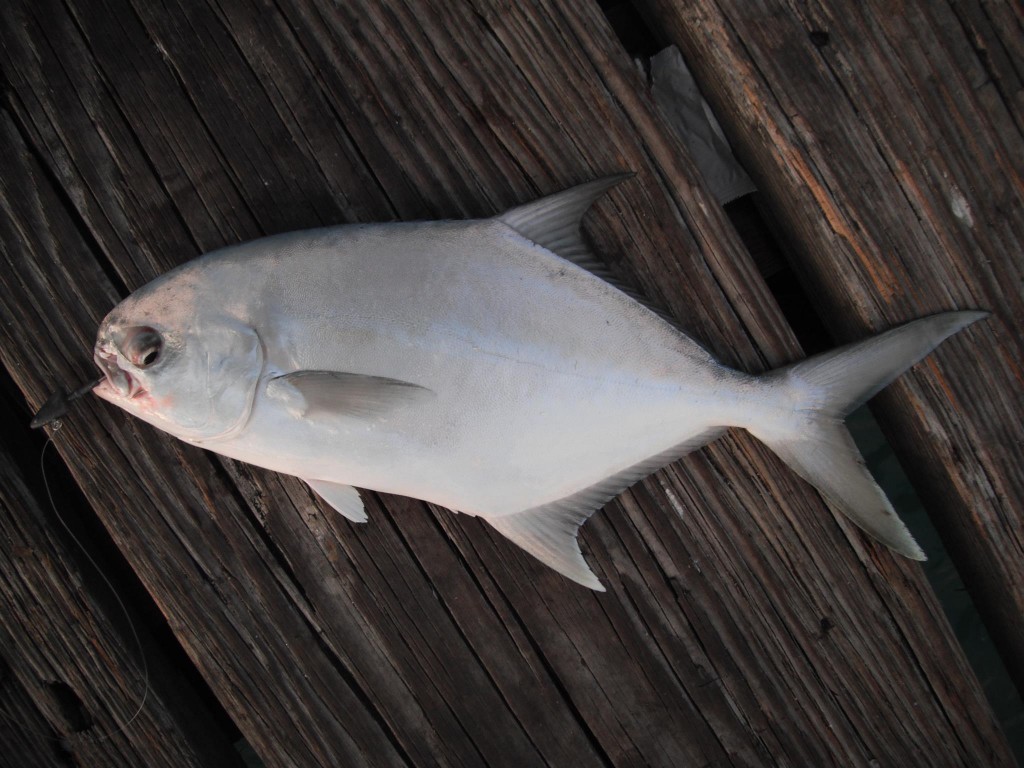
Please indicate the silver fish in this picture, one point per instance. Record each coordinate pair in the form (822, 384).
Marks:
(485, 366)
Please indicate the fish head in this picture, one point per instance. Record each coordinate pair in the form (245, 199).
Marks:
(177, 358)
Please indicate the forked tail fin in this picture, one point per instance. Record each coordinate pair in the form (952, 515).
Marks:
(807, 430)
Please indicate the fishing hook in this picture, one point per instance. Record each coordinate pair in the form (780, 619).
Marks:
(57, 404)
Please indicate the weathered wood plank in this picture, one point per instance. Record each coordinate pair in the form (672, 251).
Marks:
(68, 650)
(26, 738)
(423, 638)
(889, 150)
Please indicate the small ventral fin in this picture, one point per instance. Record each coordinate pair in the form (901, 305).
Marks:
(344, 498)
(316, 393)
(549, 532)
(554, 222)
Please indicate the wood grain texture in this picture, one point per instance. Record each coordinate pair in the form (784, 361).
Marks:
(67, 646)
(889, 149)
(744, 624)
(25, 735)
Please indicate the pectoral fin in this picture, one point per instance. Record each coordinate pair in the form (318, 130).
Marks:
(344, 498)
(333, 393)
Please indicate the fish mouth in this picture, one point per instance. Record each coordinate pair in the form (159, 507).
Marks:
(119, 382)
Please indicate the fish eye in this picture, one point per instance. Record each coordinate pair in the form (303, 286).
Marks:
(144, 347)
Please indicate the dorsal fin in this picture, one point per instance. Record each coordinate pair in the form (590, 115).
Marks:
(554, 221)
(549, 532)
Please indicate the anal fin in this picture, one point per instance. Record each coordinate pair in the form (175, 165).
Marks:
(549, 532)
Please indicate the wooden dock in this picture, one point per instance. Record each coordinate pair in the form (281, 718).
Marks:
(744, 623)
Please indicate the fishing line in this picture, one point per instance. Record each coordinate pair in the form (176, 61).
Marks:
(57, 425)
